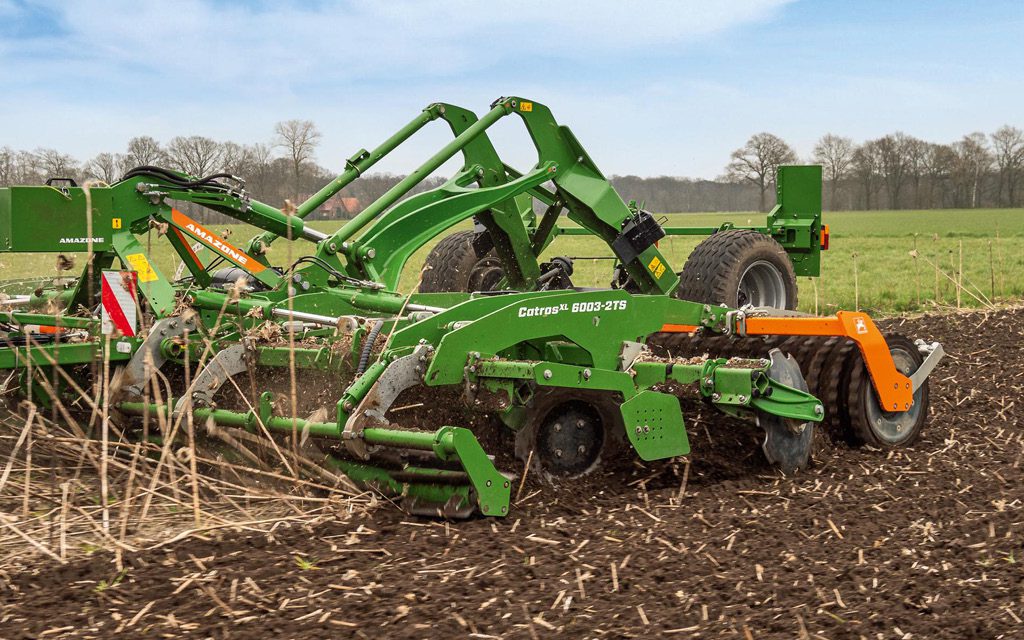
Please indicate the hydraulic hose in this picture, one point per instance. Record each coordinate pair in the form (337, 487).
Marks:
(364, 354)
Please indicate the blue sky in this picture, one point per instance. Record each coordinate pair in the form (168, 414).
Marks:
(651, 88)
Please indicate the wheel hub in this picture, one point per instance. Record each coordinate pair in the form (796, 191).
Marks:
(894, 427)
(570, 439)
(762, 285)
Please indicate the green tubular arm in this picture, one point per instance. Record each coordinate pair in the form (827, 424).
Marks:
(355, 166)
(392, 196)
(399, 233)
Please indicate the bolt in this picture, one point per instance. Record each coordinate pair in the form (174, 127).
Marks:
(709, 382)
(557, 427)
(580, 424)
(506, 486)
(908, 405)
(347, 406)
(647, 428)
(639, 429)
(743, 399)
(548, 374)
(586, 374)
(332, 247)
(707, 308)
(472, 368)
(488, 483)
(581, 449)
(558, 453)
(896, 385)
(716, 396)
(819, 410)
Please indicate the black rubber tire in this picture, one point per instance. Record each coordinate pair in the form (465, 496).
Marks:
(868, 423)
(713, 271)
(449, 264)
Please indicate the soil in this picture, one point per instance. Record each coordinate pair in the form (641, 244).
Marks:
(924, 542)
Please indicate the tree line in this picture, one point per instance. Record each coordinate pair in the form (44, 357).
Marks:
(896, 171)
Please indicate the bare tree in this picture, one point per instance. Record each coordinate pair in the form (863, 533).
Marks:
(834, 154)
(938, 162)
(235, 159)
(8, 166)
(54, 164)
(299, 139)
(866, 162)
(107, 167)
(758, 161)
(143, 150)
(972, 161)
(893, 162)
(917, 155)
(1008, 148)
(258, 174)
(195, 155)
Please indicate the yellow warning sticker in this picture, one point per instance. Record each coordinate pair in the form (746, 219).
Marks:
(657, 267)
(115, 223)
(138, 262)
(526, 106)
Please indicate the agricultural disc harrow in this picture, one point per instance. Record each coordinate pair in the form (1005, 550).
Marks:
(497, 327)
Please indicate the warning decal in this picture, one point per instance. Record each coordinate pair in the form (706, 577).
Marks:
(140, 264)
(120, 303)
(657, 267)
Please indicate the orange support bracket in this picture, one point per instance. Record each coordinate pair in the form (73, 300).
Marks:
(895, 391)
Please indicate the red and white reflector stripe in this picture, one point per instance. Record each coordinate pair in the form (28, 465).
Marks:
(120, 303)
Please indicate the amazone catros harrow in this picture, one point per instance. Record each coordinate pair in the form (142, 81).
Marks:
(574, 374)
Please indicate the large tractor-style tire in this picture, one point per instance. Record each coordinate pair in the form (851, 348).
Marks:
(449, 264)
(738, 267)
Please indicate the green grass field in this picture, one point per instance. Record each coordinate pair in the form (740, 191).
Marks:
(869, 266)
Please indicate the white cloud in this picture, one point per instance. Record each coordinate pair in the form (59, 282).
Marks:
(290, 44)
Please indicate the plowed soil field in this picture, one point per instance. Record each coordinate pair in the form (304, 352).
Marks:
(926, 542)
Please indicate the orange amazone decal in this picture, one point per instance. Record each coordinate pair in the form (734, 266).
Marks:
(215, 242)
(895, 391)
(188, 246)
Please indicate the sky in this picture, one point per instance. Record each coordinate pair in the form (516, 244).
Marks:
(649, 88)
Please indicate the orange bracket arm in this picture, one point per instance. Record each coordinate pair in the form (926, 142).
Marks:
(895, 391)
